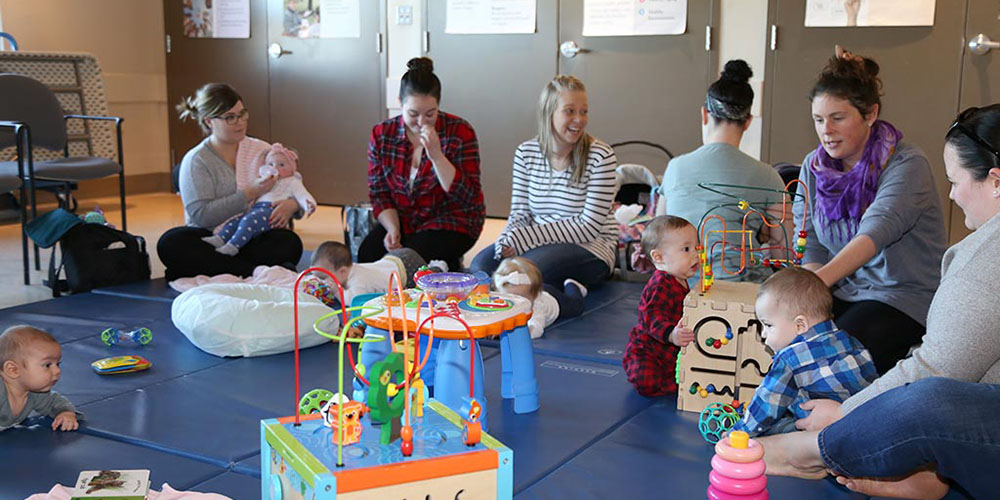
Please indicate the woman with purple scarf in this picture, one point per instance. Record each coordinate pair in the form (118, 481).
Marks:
(875, 227)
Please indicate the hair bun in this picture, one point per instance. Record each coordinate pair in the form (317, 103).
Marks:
(737, 70)
(420, 64)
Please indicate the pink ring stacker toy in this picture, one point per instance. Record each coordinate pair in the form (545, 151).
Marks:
(737, 470)
(754, 451)
(714, 494)
(740, 487)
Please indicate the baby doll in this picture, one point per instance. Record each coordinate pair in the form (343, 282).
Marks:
(279, 162)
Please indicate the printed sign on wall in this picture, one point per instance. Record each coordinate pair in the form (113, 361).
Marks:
(490, 16)
(217, 18)
(634, 17)
(842, 13)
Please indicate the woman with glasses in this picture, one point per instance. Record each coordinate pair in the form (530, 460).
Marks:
(910, 419)
(875, 229)
(423, 176)
(214, 189)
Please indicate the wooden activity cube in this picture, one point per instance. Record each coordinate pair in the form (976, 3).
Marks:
(299, 463)
(735, 367)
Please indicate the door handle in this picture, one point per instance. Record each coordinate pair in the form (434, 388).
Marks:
(981, 44)
(570, 49)
(275, 51)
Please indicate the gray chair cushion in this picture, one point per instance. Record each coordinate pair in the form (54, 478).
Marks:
(9, 180)
(76, 168)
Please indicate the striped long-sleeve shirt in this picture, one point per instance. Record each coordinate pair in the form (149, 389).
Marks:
(547, 206)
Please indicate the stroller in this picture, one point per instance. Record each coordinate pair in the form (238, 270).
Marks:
(635, 204)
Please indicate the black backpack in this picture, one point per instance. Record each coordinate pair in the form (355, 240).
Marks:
(94, 256)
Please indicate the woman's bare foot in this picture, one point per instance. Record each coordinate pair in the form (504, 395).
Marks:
(794, 454)
(923, 485)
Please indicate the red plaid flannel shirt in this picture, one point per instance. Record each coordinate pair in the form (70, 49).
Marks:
(650, 359)
(426, 206)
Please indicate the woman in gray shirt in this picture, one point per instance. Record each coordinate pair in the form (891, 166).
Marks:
(208, 183)
(875, 230)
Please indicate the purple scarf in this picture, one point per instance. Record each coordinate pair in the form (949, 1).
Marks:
(846, 195)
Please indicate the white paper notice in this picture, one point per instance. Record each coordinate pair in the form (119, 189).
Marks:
(476, 17)
(231, 19)
(634, 17)
(840, 13)
(340, 19)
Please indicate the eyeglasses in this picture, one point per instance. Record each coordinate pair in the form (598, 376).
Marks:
(234, 118)
(968, 133)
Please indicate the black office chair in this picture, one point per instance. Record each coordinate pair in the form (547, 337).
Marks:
(30, 102)
(11, 178)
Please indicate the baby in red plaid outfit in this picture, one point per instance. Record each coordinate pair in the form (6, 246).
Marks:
(651, 355)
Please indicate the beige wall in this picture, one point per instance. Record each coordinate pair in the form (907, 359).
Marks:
(743, 35)
(127, 38)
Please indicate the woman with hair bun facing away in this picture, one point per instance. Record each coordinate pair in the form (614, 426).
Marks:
(423, 176)
(874, 221)
(218, 181)
(725, 116)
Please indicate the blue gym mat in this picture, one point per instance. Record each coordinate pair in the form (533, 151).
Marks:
(194, 418)
(657, 453)
(157, 290)
(579, 402)
(170, 353)
(215, 414)
(598, 335)
(86, 315)
(34, 458)
(232, 485)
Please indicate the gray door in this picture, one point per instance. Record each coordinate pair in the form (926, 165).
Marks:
(980, 74)
(326, 95)
(643, 87)
(493, 81)
(920, 68)
(193, 62)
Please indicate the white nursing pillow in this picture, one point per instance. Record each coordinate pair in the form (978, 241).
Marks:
(236, 319)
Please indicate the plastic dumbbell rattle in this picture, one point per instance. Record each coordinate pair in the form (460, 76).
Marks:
(314, 400)
(113, 336)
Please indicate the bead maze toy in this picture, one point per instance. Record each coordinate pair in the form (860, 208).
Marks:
(727, 358)
(738, 469)
(749, 256)
(332, 448)
(455, 362)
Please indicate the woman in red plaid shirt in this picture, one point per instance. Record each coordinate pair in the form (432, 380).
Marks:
(423, 176)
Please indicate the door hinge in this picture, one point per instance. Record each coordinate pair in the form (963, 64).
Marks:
(427, 41)
(774, 37)
(168, 44)
(378, 43)
(708, 38)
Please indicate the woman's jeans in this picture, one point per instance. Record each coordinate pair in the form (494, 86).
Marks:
(557, 262)
(932, 421)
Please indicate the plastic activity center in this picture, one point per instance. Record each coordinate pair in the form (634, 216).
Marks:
(382, 447)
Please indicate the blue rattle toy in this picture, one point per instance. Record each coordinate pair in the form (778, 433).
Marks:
(113, 336)
(716, 420)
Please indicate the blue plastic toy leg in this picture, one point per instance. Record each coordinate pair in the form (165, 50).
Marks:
(370, 353)
(428, 371)
(518, 370)
(452, 377)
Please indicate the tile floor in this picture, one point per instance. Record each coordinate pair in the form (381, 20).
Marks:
(150, 215)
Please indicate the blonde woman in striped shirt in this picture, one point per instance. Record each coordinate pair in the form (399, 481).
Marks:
(563, 189)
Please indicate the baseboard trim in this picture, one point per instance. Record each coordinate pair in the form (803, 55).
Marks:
(158, 182)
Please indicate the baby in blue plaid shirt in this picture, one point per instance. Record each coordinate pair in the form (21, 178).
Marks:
(813, 359)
